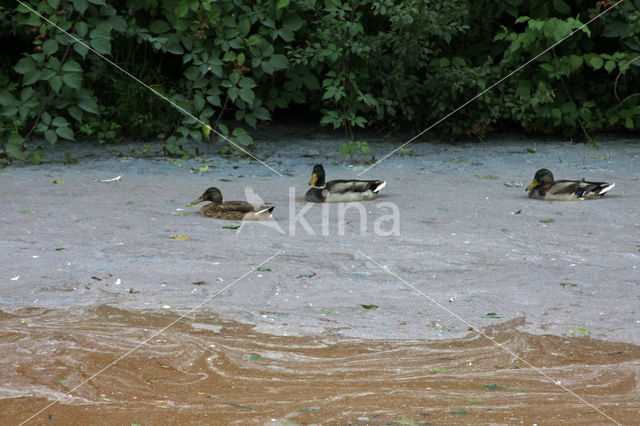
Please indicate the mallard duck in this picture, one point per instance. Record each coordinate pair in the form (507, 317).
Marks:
(544, 187)
(231, 210)
(336, 191)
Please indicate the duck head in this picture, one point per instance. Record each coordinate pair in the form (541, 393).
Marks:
(317, 176)
(211, 194)
(542, 177)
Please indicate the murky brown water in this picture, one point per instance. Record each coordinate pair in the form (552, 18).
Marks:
(204, 370)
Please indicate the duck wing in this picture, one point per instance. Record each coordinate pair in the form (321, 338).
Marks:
(235, 206)
(344, 186)
(580, 189)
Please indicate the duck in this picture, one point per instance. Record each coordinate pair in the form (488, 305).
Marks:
(231, 210)
(544, 187)
(336, 191)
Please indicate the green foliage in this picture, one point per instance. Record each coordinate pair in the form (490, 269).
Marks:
(372, 63)
(572, 87)
(357, 149)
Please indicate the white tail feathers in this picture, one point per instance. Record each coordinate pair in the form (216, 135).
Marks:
(379, 187)
(606, 189)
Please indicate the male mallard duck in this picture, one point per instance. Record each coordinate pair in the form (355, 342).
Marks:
(544, 187)
(336, 191)
(231, 210)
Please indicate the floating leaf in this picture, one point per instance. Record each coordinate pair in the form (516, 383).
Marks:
(312, 274)
(225, 180)
(441, 370)
(253, 357)
(490, 177)
(568, 284)
(263, 269)
(200, 169)
(579, 330)
(56, 182)
(546, 220)
(26, 211)
(323, 311)
(495, 387)
(532, 150)
(370, 306)
(230, 226)
(492, 315)
(25, 321)
(59, 248)
(309, 409)
(406, 149)
(475, 400)
(459, 412)
(180, 237)
(199, 283)
(404, 422)
(233, 404)
(70, 160)
(181, 213)
(132, 291)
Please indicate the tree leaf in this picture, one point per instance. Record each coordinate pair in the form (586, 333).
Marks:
(72, 79)
(71, 66)
(75, 112)
(50, 136)
(81, 29)
(292, 22)
(311, 81)
(25, 65)
(247, 83)
(561, 7)
(6, 98)
(159, 27)
(65, 132)
(80, 5)
(609, 66)
(101, 45)
(50, 46)
(89, 104)
(60, 121)
(81, 49)
(56, 83)
(594, 61)
(247, 95)
(31, 77)
(279, 62)
(233, 93)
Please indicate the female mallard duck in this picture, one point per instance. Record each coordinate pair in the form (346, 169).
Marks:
(544, 187)
(231, 210)
(336, 191)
